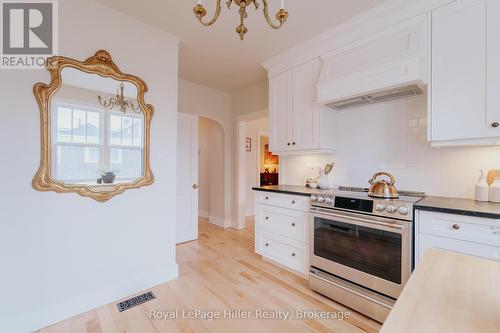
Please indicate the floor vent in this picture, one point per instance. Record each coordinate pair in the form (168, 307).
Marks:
(134, 301)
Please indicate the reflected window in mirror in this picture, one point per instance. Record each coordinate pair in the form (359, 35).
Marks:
(90, 141)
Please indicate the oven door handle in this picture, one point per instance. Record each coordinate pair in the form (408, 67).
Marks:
(350, 218)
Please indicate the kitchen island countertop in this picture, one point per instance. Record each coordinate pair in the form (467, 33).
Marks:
(448, 292)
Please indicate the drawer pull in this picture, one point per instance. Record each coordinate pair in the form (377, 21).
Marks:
(456, 226)
(267, 198)
(267, 244)
(293, 224)
(267, 217)
(293, 202)
(293, 254)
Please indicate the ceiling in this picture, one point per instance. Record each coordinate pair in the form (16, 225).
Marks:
(215, 57)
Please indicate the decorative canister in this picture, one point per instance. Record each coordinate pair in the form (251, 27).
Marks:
(482, 190)
(495, 190)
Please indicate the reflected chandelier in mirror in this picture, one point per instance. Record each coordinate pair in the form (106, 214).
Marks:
(93, 145)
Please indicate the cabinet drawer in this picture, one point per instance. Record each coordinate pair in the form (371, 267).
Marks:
(285, 222)
(466, 228)
(429, 241)
(284, 251)
(283, 200)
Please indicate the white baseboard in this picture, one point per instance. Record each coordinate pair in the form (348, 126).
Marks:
(219, 222)
(203, 213)
(54, 313)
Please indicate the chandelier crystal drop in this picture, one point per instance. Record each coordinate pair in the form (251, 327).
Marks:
(281, 16)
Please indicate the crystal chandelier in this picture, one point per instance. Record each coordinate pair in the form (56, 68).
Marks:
(281, 16)
(119, 101)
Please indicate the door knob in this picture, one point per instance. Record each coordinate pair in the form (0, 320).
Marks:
(195, 186)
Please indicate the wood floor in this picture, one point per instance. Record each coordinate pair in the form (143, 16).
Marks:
(220, 271)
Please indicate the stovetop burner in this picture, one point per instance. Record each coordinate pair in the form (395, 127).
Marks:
(356, 199)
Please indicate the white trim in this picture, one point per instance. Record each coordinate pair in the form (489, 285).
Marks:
(217, 221)
(111, 293)
(204, 214)
(240, 175)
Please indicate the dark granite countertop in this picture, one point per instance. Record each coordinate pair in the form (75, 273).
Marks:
(467, 207)
(290, 189)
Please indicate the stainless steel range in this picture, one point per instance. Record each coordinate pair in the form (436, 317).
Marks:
(361, 249)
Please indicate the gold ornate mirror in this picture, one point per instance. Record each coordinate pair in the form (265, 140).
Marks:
(95, 129)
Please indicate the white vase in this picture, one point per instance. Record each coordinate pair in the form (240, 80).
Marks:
(495, 190)
(324, 182)
(482, 190)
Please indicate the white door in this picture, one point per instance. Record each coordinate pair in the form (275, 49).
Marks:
(187, 177)
(459, 71)
(305, 109)
(281, 112)
(493, 65)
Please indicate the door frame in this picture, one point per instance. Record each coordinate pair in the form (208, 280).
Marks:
(240, 184)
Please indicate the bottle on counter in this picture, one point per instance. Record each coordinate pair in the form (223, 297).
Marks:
(495, 190)
(482, 192)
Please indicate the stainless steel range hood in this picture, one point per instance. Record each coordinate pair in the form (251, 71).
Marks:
(379, 97)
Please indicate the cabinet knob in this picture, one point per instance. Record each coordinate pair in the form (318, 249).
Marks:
(293, 202)
(288, 143)
(267, 217)
(267, 244)
(293, 224)
(293, 254)
(495, 124)
(456, 226)
(267, 198)
(293, 143)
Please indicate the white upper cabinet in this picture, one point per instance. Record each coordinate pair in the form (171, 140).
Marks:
(464, 105)
(294, 114)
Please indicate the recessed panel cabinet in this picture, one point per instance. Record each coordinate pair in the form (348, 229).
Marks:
(464, 101)
(294, 116)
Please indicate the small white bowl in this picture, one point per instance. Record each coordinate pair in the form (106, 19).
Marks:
(313, 185)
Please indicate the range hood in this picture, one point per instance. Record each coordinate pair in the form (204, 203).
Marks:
(379, 97)
(385, 66)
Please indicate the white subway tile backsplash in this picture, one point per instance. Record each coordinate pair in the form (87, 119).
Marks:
(392, 137)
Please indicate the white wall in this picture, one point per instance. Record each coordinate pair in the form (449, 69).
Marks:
(215, 105)
(62, 254)
(392, 137)
(252, 162)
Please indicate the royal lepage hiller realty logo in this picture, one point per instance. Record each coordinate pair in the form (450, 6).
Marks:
(29, 33)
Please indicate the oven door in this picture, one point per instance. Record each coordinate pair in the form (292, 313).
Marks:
(370, 251)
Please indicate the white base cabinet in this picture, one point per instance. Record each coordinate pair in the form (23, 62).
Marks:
(465, 234)
(281, 230)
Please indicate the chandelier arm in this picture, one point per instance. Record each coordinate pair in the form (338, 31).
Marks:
(282, 15)
(107, 104)
(218, 9)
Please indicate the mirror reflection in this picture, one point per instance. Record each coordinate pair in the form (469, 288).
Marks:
(97, 131)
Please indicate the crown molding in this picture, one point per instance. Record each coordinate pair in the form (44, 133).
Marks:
(385, 15)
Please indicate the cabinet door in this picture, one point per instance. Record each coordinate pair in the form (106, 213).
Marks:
(280, 112)
(458, 100)
(493, 27)
(305, 109)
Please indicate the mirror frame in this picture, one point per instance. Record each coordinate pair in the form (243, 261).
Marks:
(102, 64)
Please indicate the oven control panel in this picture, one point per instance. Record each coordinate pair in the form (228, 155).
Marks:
(394, 208)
